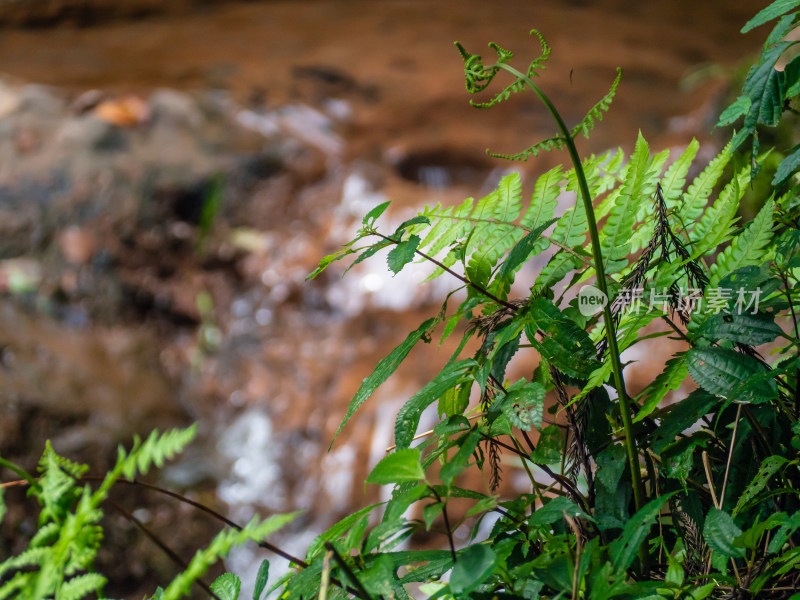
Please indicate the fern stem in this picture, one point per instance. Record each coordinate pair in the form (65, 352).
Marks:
(461, 278)
(611, 336)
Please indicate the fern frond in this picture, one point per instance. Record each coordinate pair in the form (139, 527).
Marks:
(617, 232)
(28, 558)
(692, 203)
(538, 63)
(156, 449)
(219, 547)
(748, 248)
(675, 177)
(596, 112)
(504, 94)
(553, 143)
(80, 586)
(493, 235)
(544, 199)
(716, 225)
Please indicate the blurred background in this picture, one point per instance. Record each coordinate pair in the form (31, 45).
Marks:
(171, 170)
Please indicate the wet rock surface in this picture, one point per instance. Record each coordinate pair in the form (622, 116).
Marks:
(165, 191)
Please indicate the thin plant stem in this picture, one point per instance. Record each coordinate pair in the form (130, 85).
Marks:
(446, 523)
(158, 542)
(362, 592)
(611, 335)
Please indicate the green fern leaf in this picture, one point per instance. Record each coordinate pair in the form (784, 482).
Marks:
(748, 248)
(451, 224)
(693, 202)
(219, 547)
(28, 558)
(80, 586)
(489, 240)
(617, 232)
(675, 177)
(546, 145)
(596, 112)
(544, 199)
(156, 449)
(717, 223)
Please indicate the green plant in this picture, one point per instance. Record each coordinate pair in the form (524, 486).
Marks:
(59, 560)
(629, 497)
(717, 470)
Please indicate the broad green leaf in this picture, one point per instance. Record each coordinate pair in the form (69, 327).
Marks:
(623, 549)
(725, 373)
(385, 368)
(524, 406)
(768, 468)
(473, 566)
(788, 166)
(563, 344)
(522, 251)
(227, 586)
(719, 532)
(774, 10)
(261, 580)
(401, 465)
(431, 512)
(548, 448)
(402, 254)
(554, 510)
(460, 460)
(408, 417)
(611, 464)
(670, 379)
(682, 416)
(743, 329)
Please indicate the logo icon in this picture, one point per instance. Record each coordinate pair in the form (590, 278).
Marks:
(591, 300)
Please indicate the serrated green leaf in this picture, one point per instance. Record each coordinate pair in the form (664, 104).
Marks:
(725, 373)
(326, 261)
(774, 10)
(524, 406)
(408, 417)
(227, 586)
(768, 468)
(787, 167)
(719, 532)
(473, 566)
(401, 465)
(553, 512)
(337, 530)
(740, 328)
(548, 448)
(385, 368)
(402, 254)
(460, 460)
(670, 379)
